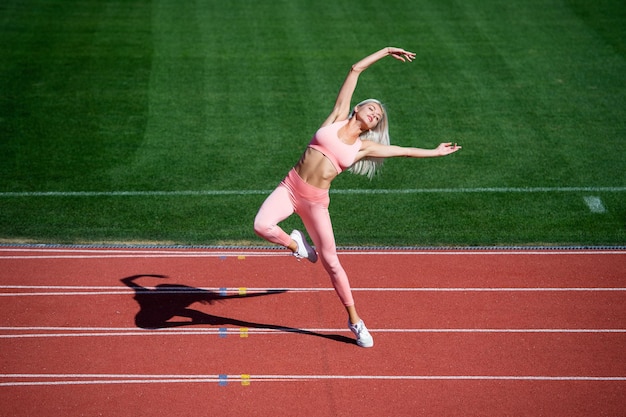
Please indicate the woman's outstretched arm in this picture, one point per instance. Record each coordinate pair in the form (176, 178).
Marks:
(371, 149)
(341, 110)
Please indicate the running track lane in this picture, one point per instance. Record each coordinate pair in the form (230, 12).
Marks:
(457, 333)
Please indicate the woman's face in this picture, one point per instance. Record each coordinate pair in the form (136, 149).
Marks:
(369, 114)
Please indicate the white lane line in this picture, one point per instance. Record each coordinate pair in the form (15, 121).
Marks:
(210, 330)
(145, 255)
(595, 204)
(223, 332)
(104, 254)
(31, 291)
(16, 380)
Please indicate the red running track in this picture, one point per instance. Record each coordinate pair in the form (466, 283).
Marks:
(181, 332)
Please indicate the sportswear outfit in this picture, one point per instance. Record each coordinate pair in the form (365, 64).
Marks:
(311, 203)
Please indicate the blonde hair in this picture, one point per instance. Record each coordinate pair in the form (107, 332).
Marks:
(379, 134)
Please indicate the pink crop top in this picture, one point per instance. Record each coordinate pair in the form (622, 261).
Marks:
(327, 142)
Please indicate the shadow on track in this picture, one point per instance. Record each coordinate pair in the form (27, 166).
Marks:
(160, 304)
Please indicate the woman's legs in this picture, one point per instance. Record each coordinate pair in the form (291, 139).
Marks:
(314, 214)
(316, 219)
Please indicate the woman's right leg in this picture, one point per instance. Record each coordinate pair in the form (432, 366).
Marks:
(317, 221)
(319, 226)
(276, 208)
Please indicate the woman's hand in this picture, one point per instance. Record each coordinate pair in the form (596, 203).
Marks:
(401, 54)
(447, 148)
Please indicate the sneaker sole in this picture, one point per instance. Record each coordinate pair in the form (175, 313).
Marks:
(363, 345)
(312, 255)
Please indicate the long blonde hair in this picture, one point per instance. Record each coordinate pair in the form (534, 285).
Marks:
(379, 134)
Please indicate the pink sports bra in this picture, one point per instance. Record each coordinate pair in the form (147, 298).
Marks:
(327, 142)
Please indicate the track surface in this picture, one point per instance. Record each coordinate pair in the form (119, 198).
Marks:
(188, 332)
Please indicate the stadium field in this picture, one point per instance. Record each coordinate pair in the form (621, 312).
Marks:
(168, 122)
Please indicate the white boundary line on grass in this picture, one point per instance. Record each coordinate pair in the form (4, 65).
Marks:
(334, 191)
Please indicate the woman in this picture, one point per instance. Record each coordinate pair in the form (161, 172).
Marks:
(358, 140)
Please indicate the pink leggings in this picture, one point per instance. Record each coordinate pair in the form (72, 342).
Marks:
(311, 204)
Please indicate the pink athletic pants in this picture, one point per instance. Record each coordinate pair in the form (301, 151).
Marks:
(311, 204)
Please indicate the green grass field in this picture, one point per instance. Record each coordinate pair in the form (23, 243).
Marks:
(169, 121)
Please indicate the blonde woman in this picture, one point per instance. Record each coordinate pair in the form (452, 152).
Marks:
(350, 138)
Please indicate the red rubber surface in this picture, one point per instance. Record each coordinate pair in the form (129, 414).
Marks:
(501, 332)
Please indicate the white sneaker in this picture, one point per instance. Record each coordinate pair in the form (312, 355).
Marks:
(305, 251)
(363, 336)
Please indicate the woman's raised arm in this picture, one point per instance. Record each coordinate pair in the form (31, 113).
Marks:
(341, 110)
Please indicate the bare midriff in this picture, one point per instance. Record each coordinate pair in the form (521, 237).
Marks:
(316, 169)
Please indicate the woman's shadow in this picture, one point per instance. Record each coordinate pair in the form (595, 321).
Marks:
(168, 305)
